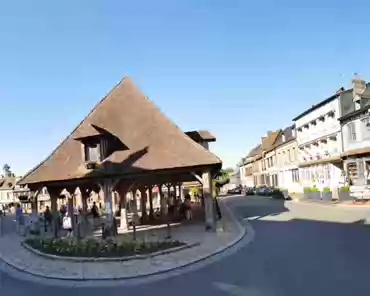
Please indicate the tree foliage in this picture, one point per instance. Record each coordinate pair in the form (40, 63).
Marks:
(6, 170)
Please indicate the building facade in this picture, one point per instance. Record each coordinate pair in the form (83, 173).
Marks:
(10, 192)
(269, 173)
(355, 125)
(287, 160)
(319, 143)
(249, 167)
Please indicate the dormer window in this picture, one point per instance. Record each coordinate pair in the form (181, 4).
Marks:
(331, 114)
(322, 118)
(97, 145)
(92, 149)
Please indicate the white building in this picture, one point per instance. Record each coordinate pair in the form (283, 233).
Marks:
(355, 121)
(270, 167)
(319, 143)
(287, 160)
(248, 167)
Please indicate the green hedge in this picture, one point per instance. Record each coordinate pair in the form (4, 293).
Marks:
(344, 189)
(98, 248)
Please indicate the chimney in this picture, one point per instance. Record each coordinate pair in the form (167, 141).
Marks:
(294, 132)
(283, 137)
(358, 85)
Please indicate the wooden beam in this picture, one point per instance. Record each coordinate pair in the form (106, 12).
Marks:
(200, 180)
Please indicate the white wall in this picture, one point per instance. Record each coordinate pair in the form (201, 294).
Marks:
(322, 128)
(6, 196)
(362, 140)
(286, 166)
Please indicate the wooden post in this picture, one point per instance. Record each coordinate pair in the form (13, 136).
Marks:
(151, 211)
(34, 220)
(107, 187)
(135, 217)
(168, 212)
(123, 189)
(162, 201)
(208, 201)
(54, 195)
(143, 200)
(85, 194)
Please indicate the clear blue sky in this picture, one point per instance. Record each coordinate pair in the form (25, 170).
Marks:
(237, 68)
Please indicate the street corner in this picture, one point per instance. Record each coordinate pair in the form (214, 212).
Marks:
(211, 247)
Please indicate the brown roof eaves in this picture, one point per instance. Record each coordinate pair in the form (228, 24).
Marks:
(201, 135)
(319, 161)
(359, 151)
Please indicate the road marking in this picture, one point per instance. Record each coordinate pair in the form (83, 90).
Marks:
(252, 218)
(237, 291)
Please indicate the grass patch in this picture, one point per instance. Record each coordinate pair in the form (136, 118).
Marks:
(94, 248)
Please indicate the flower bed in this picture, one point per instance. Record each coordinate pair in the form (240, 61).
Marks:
(93, 248)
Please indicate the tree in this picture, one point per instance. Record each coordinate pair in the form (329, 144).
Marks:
(6, 170)
(221, 178)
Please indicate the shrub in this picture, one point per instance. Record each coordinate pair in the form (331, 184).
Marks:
(98, 248)
(277, 193)
(326, 189)
(314, 189)
(344, 189)
(307, 189)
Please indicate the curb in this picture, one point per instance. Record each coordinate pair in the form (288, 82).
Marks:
(242, 234)
(332, 205)
(108, 259)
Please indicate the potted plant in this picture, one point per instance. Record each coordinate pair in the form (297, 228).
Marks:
(344, 193)
(315, 193)
(307, 192)
(327, 195)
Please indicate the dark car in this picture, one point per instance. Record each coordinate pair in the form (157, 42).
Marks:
(249, 191)
(236, 190)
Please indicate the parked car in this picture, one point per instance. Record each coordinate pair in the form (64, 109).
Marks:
(236, 190)
(261, 190)
(249, 191)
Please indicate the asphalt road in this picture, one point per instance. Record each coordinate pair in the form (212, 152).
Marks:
(303, 250)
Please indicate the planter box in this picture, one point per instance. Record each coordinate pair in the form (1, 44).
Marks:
(327, 196)
(316, 195)
(344, 195)
(306, 195)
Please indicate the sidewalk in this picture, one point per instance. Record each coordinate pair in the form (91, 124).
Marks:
(336, 203)
(16, 256)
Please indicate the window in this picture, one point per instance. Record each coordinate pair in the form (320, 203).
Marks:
(92, 151)
(351, 131)
(352, 172)
(295, 175)
(366, 127)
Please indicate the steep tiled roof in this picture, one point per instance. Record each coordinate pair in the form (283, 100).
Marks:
(153, 142)
(7, 182)
(289, 136)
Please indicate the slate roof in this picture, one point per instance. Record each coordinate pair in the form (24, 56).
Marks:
(289, 136)
(154, 142)
(7, 183)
